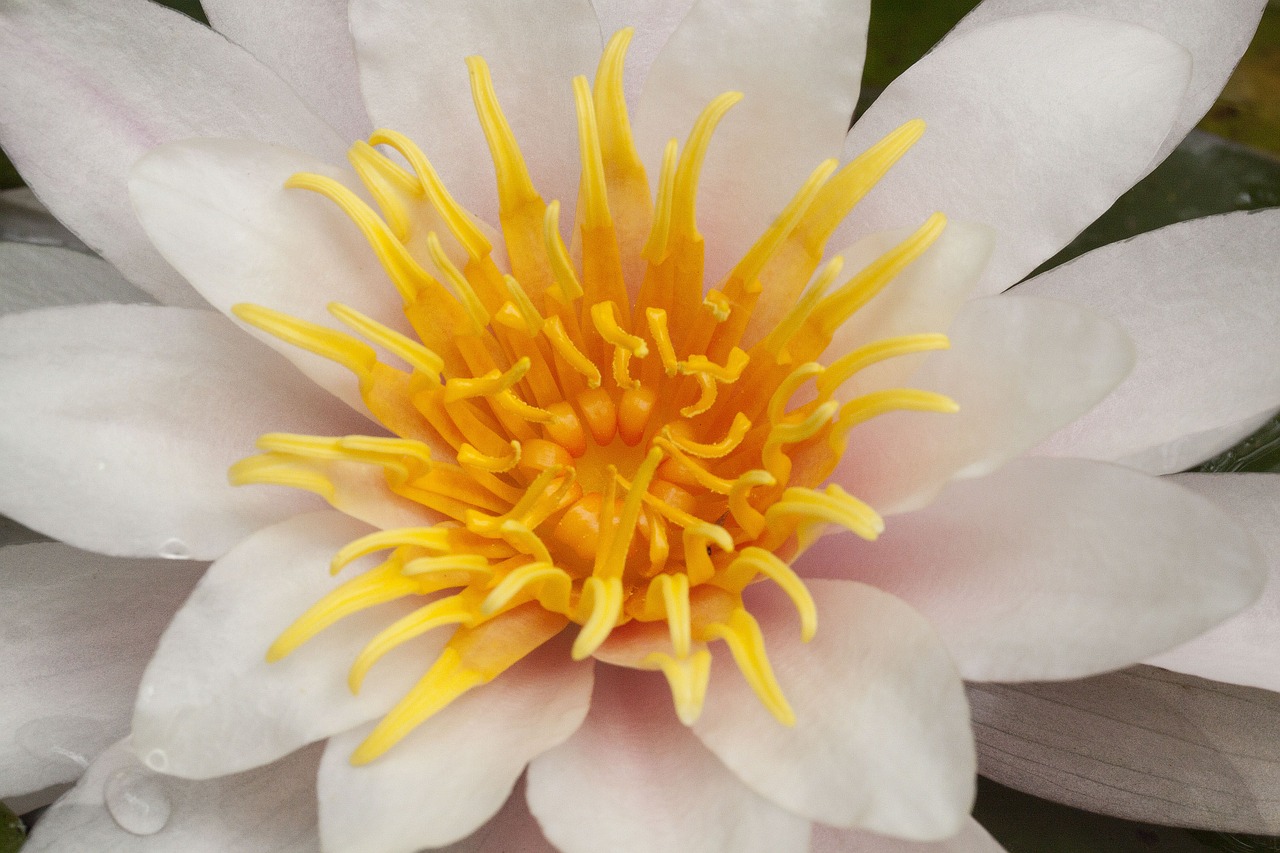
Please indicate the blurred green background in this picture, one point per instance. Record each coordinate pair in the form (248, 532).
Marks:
(1231, 163)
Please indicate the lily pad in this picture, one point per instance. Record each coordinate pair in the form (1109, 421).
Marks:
(12, 832)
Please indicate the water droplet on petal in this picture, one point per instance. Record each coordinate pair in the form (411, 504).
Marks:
(175, 549)
(137, 801)
(157, 760)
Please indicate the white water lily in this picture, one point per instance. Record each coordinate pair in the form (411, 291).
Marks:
(969, 561)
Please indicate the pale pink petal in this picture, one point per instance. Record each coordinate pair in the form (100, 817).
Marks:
(1018, 368)
(1143, 744)
(796, 109)
(1215, 33)
(43, 276)
(512, 829)
(125, 418)
(414, 76)
(653, 20)
(453, 772)
(972, 838)
(78, 629)
(1057, 568)
(294, 251)
(1246, 648)
(309, 45)
(634, 780)
(1200, 301)
(207, 708)
(1036, 124)
(120, 806)
(881, 739)
(89, 87)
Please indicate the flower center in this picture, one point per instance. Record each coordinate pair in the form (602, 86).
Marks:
(604, 443)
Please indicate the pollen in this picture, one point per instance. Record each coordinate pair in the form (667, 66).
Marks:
(607, 444)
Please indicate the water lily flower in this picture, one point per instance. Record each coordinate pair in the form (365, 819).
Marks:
(659, 498)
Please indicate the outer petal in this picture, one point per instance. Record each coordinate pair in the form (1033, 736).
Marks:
(271, 810)
(1036, 125)
(1144, 744)
(414, 77)
(882, 737)
(654, 22)
(309, 45)
(1018, 367)
(89, 87)
(659, 789)
(43, 276)
(1215, 33)
(511, 829)
(123, 421)
(78, 629)
(455, 771)
(207, 709)
(1058, 568)
(1246, 648)
(1200, 301)
(294, 251)
(971, 839)
(795, 113)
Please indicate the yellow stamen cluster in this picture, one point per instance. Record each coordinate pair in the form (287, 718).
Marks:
(605, 442)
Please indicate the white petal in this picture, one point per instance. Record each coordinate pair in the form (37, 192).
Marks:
(1143, 744)
(922, 298)
(78, 629)
(455, 771)
(309, 45)
(882, 737)
(294, 251)
(971, 839)
(795, 112)
(1036, 125)
(89, 87)
(634, 780)
(1058, 568)
(654, 22)
(271, 810)
(1215, 33)
(511, 829)
(210, 704)
(125, 418)
(43, 276)
(414, 78)
(1246, 648)
(1200, 301)
(1018, 368)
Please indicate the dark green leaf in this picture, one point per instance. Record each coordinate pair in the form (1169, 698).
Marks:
(12, 832)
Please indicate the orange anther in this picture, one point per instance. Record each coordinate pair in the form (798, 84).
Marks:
(633, 414)
(600, 413)
(565, 429)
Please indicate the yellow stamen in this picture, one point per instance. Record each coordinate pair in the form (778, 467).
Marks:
(688, 678)
(418, 356)
(742, 635)
(460, 223)
(549, 495)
